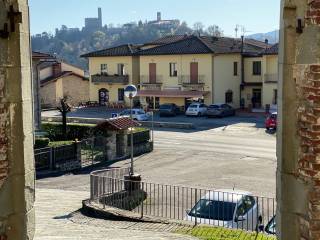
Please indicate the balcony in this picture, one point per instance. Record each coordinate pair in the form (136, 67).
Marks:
(152, 84)
(186, 80)
(111, 79)
(271, 78)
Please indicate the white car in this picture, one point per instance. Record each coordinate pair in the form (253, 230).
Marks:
(226, 208)
(196, 109)
(137, 114)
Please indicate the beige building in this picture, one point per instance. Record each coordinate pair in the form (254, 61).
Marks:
(184, 68)
(59, 79)
(110, 71)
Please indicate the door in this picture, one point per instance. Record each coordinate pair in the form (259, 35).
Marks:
(194, 72)
(152, 73)
(103, 96)
(246, 214)
(256, 98)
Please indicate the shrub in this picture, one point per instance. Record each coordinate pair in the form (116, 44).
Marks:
(74, 131)
(41, 143)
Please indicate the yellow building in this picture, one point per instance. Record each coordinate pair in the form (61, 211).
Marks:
(59, 79)
(259, 87)
(110, 71)
(184, 68)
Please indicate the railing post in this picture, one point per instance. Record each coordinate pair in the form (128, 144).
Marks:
(195, 201)
(142, 191)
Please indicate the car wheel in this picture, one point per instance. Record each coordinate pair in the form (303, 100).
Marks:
(199, 114)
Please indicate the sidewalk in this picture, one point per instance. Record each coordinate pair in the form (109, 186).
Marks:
(56, 218)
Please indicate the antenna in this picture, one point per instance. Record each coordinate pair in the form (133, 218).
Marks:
(236, 30)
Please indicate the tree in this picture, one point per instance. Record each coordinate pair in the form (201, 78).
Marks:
(64, 109)
(214, 30)
(198, 27)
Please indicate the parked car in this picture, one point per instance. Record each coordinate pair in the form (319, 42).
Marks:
(196, 109)
(169, 109)
(271, 121)
(137, 114)
(220, 110)
(226, 208)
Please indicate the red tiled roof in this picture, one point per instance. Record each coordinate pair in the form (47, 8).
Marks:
(172, 93)
(119, 123)
(61, 75)
(40, 55)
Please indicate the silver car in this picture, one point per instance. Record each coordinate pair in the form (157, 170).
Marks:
(220, 110)
(226, 208)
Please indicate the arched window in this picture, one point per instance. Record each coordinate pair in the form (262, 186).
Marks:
(103, 96)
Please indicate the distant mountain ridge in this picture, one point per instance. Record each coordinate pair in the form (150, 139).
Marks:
(273, 36)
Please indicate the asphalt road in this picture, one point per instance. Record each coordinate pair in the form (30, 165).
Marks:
(238, 155)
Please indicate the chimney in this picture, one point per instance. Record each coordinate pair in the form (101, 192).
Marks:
(158, 16)
(266, 41)
(56, 69)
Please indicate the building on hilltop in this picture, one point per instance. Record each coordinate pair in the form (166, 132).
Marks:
(92, 24)
(164, 24)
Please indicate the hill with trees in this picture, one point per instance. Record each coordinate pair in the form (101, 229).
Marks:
(70, 43)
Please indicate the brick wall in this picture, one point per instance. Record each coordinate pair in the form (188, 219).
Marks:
(307, 78)
(313, 13)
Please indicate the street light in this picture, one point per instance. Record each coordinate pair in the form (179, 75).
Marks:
(130, 92)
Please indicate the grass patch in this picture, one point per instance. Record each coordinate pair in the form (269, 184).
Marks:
(218, 233)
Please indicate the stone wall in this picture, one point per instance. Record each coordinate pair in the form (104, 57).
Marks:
(16, 124)
(298, 147)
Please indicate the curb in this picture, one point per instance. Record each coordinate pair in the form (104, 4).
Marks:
(110, 213)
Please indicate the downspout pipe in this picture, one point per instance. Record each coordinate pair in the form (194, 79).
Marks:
(242, 68)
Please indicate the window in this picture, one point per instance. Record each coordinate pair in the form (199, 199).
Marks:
(104, 68)
(235, 68)
(121, 69)
(120, 94)
(229, 96)
(275, 96)
(256, 68)
(173, 70)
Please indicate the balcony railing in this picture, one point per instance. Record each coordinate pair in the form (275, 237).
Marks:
(271, 78)
(98, 78)
(146, 80)
(191, 80)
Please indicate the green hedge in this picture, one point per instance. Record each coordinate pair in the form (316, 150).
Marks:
(139, 137)
(74, 131)
(41, 142)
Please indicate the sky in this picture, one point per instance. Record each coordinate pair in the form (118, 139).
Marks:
(257, 16)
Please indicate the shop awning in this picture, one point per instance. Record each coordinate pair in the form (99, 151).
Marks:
(172, 93)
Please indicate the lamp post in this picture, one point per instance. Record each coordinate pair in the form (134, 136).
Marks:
(130, 92)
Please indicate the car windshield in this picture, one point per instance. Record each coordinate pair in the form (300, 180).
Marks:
(193, 106)
(165, 106)
(214, 107)
(140, 112)
(125, 112)
(215, 210)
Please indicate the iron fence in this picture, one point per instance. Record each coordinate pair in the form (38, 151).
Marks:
(231, 209)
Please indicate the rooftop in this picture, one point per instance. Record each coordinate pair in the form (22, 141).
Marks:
(122, 50)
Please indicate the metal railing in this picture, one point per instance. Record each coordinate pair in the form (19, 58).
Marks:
(199, 206)
(188, 80)
(271, 78)
(145, 79)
